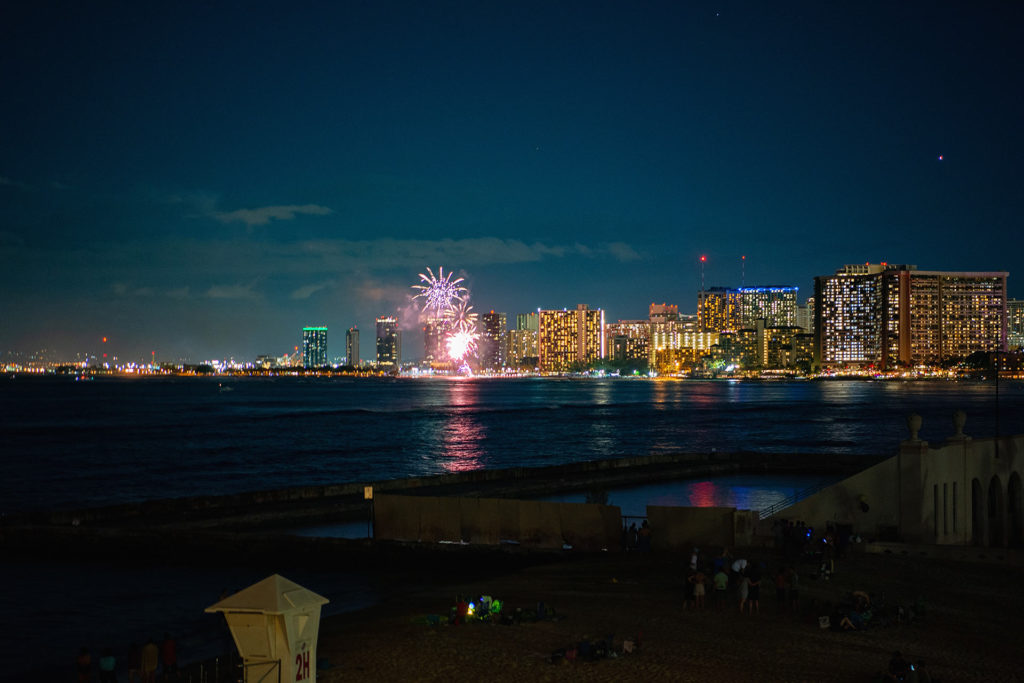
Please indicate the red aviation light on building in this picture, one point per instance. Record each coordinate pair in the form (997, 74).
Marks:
(104, 340)
(703, 259)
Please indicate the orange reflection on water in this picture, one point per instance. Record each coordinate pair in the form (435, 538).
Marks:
(702, 494)
(462, 433)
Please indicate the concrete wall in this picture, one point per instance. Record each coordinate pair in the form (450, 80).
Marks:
(489, 521)
(841, 502)
(963, 491)
(681, 528)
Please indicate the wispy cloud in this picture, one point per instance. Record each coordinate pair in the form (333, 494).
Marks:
(622, 251)
(309, 290)
(232, 292)
(9, 182)
(264, 214)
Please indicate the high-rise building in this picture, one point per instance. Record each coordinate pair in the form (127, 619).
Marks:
(389, 342)
(567, 339)
(727, 309)
(895, 315)
(776, 306)
(1015, 323)
(662, 313)
(493, 345)
(433, 340)
(352, 346)
(718, 309)
(314, 347)
(805, 316)
(523, 339)
(627, 339)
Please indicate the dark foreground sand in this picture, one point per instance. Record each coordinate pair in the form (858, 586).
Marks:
(972, 630)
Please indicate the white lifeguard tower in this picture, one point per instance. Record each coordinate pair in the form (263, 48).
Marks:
(275, 624)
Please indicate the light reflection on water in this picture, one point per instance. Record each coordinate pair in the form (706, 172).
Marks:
(744, 492)
(463, 434)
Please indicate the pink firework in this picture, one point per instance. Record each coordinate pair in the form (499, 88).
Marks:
(439, 293)
(461, 343)
(462, 335)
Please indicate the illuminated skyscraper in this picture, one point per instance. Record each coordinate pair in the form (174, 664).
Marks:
(493, 342)
(433, 340)
(352, 346)
(389, 342)
(890, 315)
(627, 339)
(776, 306)
(523, 339)
(726, 309)
(662, 313)
(718, 309)
(314, 347)
(568, 339)
(1015, 323)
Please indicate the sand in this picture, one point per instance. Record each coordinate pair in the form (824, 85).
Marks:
(970, 632)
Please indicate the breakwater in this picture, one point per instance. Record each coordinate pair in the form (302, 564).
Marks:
(248, 524)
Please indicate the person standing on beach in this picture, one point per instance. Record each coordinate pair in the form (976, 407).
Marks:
(83, 665)
(107, 666)
(721, 580)
(754, 592)
(169, 657)
(149, 660)
(793, 585)
(744, 590)
(698, 580)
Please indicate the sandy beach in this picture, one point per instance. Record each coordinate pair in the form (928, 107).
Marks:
(970, 630)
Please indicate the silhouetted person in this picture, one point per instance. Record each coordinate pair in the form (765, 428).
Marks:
(149, 660)
(83, 665)
(107, 666)
(169, 657)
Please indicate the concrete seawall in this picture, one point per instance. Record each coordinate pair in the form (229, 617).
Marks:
(224, 524)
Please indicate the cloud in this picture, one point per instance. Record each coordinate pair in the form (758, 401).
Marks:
(622, 251)
(231, 292)
(310, 290)
(263, 215)
(8, 182)
(10, 239)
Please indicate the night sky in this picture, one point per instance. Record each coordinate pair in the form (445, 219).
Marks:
(202, 180)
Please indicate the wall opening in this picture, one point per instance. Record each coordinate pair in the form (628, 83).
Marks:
(1015, 512)
(977, 514)
(996, 514)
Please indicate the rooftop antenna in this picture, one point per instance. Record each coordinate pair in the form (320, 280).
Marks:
(703, 259)
(743, 271)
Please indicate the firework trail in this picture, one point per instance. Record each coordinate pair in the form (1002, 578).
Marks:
(439, 293)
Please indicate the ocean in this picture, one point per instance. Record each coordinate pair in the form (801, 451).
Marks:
(70, 444)
(67, 444)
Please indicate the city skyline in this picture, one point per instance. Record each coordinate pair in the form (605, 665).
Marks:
(200, 182)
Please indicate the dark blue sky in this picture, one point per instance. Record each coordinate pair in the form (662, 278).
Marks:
(202, 180)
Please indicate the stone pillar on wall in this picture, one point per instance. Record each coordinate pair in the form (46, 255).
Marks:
(910, 484)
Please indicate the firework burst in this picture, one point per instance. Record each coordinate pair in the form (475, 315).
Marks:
(461, 343)
(440, 293)
(463, 335)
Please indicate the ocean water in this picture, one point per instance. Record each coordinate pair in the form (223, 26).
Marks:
(68, 444)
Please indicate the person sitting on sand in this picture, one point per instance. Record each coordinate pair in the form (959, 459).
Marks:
(899, 668)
